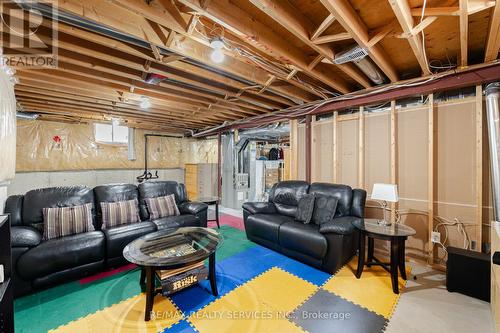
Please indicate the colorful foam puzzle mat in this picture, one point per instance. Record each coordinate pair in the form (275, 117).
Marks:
(259, 291)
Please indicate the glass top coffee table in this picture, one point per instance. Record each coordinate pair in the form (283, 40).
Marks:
(172, 250)
(396, 234)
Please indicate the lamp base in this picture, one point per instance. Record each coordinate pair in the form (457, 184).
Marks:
(384, 223)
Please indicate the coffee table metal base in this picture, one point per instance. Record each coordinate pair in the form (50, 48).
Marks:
(147, 281)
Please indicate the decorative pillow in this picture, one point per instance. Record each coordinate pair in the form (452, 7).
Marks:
(65, 221)
(324, 209)
(162, 207)
(305, 209)
(120, 212)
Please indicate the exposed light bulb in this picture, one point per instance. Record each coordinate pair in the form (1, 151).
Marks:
(216, 44)
(145, 103)
(217, 56)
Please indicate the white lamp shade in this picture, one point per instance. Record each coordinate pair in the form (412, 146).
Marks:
(385, 192)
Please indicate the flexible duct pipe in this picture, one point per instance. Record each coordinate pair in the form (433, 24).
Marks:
(492, 93)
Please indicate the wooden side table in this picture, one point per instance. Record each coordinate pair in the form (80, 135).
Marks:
(396, 234)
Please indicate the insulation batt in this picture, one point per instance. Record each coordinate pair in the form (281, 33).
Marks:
(76, 149)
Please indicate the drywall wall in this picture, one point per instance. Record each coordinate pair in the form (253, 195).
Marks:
(38, 149)
(364, 150)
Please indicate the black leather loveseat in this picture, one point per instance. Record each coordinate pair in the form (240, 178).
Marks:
(327, 246)
(38, 263)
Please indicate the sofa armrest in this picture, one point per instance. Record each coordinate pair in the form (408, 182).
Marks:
(259, 207)
(340, 225)
(14, 207)
(358, 203)
(23, 236)
(191, 207)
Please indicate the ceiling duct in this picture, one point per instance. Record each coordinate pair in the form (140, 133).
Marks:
(357, 55)
(273, 132)
(27, 115)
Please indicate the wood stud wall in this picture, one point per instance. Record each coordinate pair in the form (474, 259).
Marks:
(431, 164)
(430, 175)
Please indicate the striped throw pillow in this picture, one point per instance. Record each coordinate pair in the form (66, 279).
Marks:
(65, 221)
(162, 207)
(121, 212)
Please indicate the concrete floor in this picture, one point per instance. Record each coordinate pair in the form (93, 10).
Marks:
(427, 307)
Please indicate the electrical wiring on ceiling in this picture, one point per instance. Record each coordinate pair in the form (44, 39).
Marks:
(439, 67)
(278, 69)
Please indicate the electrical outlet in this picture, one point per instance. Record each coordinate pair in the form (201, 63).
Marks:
(473, 245)
(436, 237)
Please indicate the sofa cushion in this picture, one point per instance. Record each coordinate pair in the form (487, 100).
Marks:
(121, 212)
(185, 220)
(342, 192)
(153, 189)
(118, 237)
(286, 196)
(65, 221)
(324, 209)
(266, 226)
(162, 207)
(303, 238)
(305, 209)
(113, 193)
(22, 236)
(339, 225)
(61, 253)
(36, 200)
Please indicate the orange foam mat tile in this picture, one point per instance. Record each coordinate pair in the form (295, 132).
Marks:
(127, 316)
(260, 305)
(372, 291)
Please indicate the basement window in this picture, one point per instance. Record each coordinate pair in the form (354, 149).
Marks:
(111, 133)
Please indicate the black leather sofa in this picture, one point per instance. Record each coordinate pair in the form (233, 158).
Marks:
(326, 247)
(38, 263)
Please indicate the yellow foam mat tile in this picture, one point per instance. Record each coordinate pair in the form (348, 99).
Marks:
(260, 305)
(372, 291)
(127, 316)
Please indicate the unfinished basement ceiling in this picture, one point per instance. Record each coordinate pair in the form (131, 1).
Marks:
(278, 55)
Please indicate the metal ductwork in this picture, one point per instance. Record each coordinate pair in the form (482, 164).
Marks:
(272, 132)
(27, 115)
(492, 93)
(358, 56)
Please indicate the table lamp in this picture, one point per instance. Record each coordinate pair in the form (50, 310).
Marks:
(384, 193)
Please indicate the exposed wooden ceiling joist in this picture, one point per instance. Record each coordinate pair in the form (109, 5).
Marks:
(345, 14)
(493, 39)
(142, 29)
(232, 18)
(291, 19)
(464, 32)
(402, 11)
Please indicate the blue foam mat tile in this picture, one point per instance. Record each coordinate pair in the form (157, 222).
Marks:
(198, 296)
(259, 259)
(180, 327)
